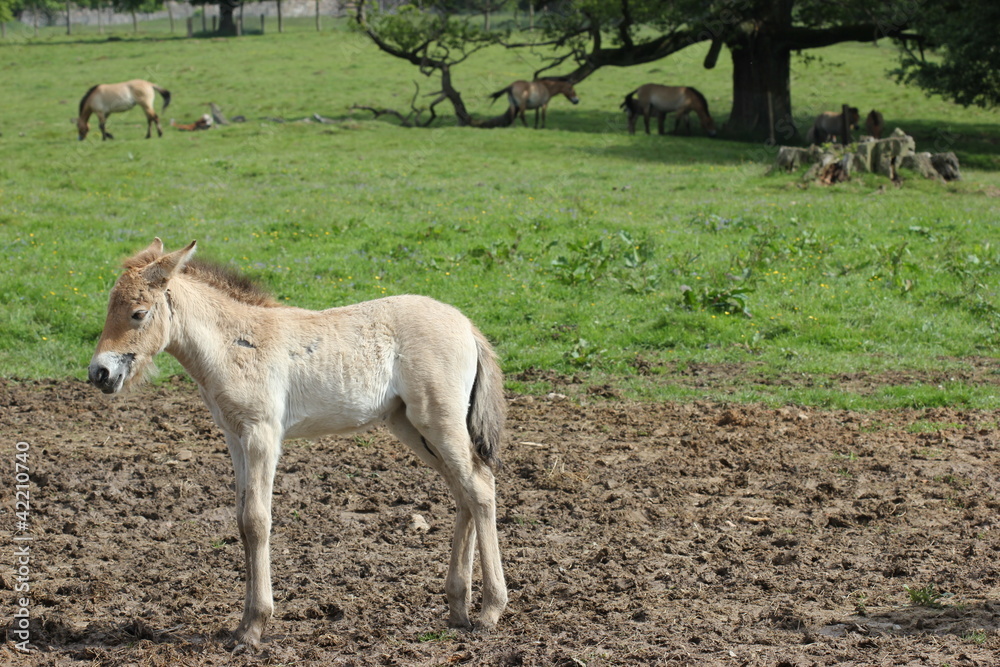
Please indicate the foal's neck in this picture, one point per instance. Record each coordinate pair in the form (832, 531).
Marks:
(203, 322)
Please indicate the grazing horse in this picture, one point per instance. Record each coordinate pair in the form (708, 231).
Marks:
(524, 95)
(875, 124)
(270, 372)
(829, 125)
(108, 98)
(657, 100)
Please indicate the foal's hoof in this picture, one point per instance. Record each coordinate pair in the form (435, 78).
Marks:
(238, 647)
(483, 628)
(243, 644)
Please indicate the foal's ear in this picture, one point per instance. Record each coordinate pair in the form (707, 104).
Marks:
(155, 248)
(165, 267)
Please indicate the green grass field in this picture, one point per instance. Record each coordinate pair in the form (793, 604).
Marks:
(578, 249)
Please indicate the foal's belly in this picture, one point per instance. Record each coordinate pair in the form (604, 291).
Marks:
(337, 416)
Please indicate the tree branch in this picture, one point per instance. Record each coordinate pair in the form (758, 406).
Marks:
(644, 52)
(813, 38)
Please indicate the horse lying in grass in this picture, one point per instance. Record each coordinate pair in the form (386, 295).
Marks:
(270, 372)
(524, 95)
(656, 100)
(829, 126)
(108, 98)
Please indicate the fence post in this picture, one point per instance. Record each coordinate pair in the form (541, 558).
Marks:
(262, 24)
(190, 26)
(214, 19)
(845, 124)
(204, 8)
(317, 17)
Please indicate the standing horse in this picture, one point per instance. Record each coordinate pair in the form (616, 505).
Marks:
(829, 125)
(108, 98)
(874, 124)
(524, 95)
(653, 99)
(270, 372)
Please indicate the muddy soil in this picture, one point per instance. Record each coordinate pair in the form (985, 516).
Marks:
(653, 534)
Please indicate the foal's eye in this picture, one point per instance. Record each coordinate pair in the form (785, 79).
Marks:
(139, 315)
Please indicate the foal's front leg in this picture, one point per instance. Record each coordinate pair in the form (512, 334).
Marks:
(259, 449)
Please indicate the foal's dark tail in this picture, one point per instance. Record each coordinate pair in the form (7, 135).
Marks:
(166, 96)
(487, 406)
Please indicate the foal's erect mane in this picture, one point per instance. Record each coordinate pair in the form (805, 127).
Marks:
(222, 278)
(232, 283)
(83, 100)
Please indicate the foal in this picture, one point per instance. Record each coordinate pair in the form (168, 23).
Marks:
(269, 372)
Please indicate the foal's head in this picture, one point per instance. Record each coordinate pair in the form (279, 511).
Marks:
(138, 323)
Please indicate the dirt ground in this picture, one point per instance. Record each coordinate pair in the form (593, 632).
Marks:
(692, 534)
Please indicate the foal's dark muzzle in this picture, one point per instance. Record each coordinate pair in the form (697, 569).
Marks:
(102, 378)
(110, 372)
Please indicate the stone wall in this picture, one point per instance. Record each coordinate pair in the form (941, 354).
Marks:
(881, 156)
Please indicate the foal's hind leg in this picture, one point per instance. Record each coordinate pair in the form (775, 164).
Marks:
(458, 585)
(445, 446)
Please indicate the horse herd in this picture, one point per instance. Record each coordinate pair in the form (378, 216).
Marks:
(650, 100)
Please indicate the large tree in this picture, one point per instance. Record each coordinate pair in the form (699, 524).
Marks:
(760, 35)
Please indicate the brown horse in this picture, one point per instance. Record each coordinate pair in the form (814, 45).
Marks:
(657, 100)
(108, 98)
(829, 125)
(268, 371)
(875, 124)
(524, 95)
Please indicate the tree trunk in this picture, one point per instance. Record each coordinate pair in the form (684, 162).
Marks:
(135, 22)
(227, 23)
(69, 25)
(280, 27)
(170, 15)
(455, 97)
(761, 70)
(318, 28)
